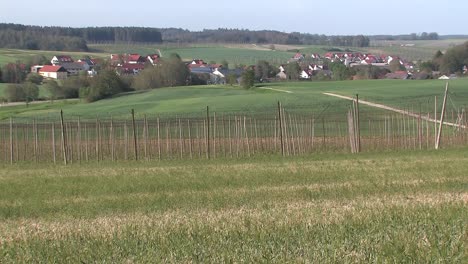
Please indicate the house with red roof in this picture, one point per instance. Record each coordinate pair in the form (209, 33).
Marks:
(53, 72)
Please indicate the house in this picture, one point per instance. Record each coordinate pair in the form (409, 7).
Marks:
(36, 68)
(74, 68)
(315, 67)
(53, 72)
(130, 68)
(197, 62)
(305, 74)
(153, 58)
(298, 56)
(60, 59)
(120, 59)
(135, 59)
(282, 75)
(202, 69)
(450, 77)
(316, 56)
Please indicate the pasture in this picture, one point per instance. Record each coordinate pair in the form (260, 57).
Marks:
(374, 207)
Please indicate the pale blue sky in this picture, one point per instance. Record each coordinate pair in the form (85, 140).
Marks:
(332, 17)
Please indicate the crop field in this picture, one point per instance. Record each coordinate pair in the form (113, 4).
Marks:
(307, 122)
(13, 55)
(235, 55)
(375, 207)
(305, 97)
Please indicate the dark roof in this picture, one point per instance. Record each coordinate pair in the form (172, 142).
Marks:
(201, 70)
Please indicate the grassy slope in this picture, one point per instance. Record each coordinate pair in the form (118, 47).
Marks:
(306, 96)
(394, 207)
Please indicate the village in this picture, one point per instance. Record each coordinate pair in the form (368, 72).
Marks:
(63, 66)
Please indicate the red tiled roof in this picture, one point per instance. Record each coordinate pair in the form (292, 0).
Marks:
(134, 57)
(64, 58)
(49, 68)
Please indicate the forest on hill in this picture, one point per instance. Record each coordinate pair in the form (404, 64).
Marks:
(76, 39)
(71, 39)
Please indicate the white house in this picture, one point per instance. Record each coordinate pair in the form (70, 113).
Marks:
(53, 72)
(305, 75)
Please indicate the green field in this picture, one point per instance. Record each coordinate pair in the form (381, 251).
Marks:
(246, 54)
(394, 207)
(13, 55)
(304, 97)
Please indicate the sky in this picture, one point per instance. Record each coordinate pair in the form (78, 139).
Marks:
(329, 17)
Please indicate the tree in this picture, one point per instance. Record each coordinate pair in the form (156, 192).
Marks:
(225, 64)
(395, 65)
(15, 93)
(248, 79)
(105, 84)
(293, 70)
(31, 92)
(14, 72)
(454, 59)
(34, 78)
(54, 89)
(231, 79)
(340, 71)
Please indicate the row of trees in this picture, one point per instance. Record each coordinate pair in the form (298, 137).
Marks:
(412, 36)
(223, 35)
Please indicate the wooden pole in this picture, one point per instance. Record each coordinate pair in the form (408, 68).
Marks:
(111, 137)
(280, 128)
(53, 143)
(159, 139)
(86, 140)
(79, 139)
(134, 135)
(11, 141)
(358, 126)
(64, 144)
(190, 138)
(207, 132)
(442, 115)
(435, 121)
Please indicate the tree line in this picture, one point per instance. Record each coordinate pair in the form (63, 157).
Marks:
(223, 35)
(71, 39)
(412, 36)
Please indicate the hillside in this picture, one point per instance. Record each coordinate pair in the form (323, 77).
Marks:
(303, 96)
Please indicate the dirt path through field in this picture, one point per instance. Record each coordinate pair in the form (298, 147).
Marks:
(6, 104)
(274, 89)
(393, 109)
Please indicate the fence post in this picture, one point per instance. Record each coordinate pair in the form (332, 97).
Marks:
(358, 126)
(134, 135)
(64, 144)
(280, 128)
(442, 115)
(208, 132)
(11, 140)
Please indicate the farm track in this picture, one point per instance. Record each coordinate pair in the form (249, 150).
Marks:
(396, 110)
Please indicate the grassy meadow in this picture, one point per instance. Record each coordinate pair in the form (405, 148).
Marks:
(374, 207)
(301, 96)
